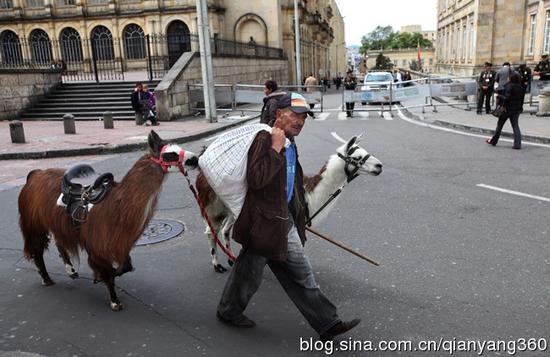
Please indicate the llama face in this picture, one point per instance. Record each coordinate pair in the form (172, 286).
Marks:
(357, 155)
(170, 155)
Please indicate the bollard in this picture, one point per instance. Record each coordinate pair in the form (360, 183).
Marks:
(108, 120)
(544, 102)
(17, 133)
(68, 124)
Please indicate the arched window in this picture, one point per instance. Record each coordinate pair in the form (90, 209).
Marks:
(179, 40)
(41, 47)
(71, 45)
(251, 26)
(134, 42)
(11, 48)
(102, 43)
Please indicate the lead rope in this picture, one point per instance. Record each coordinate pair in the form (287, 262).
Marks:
(205, 215)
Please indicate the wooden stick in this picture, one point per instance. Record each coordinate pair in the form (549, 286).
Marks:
(342, 246)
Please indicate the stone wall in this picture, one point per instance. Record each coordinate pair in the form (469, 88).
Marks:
(172, 92)
(20, 89)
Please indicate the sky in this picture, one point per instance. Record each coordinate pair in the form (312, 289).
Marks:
(362, 16)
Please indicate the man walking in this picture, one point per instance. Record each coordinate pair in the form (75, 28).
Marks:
(486, 83)
(271, 228)
(310, 83)
(503, 77)
(350, 83)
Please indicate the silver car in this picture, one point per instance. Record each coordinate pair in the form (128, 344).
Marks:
(375, 81)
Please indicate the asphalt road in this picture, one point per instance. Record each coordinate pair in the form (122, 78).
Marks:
(458, 261)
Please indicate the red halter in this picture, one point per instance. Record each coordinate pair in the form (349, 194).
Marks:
(165, 164)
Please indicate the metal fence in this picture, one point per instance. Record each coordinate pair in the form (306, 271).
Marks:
(106, 58)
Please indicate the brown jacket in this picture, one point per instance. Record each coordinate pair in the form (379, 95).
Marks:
(263, 222)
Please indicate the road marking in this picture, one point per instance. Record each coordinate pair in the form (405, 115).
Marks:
(342, 116)
(211, 138)
(363, 115)
(436, 127)
(387, 116)
(322, 116)
(337, 137)
(517, 193)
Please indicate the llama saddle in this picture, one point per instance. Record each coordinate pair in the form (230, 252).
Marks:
(81, 188)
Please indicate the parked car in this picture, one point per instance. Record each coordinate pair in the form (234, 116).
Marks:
(375, 81)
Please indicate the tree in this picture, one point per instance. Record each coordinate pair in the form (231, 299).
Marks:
(378, 39)
(383, 62)
(409, 40)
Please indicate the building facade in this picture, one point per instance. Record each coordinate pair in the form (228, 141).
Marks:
(402, 58)
(45, 31)
(472, 32)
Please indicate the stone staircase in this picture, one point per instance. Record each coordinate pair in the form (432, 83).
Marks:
(86, 101)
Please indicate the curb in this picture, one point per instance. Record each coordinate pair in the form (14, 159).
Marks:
(113, 149)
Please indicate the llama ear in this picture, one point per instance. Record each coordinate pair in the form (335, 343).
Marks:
(351, 142)
(155, 142)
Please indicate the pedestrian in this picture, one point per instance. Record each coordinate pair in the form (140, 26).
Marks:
(272, 95)
(149, 103)
(502, 77)
(350, 83)
(398, 78)
(310, 83)
(486, 84)
(136, 98)
(338, 82)
(542, 69)
(525, 73)
(512, 99)
(271, 228)
(406, 78)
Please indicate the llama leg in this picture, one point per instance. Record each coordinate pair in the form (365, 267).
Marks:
(226, 234)
(103, 271)
(35, 244)
(125, 267)
(110, 282)
(71, 272)
(213, 251)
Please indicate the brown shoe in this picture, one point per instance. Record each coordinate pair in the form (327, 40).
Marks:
(243, 321)
(339, 329)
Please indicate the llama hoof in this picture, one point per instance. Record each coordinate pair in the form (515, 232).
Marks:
(230, 262)
(219, 268)
(97, 281)
(73, 275)
(47, 282)
(116, 306)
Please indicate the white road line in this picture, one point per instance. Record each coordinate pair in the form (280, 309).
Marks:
(337, 137)
(211, 138)
(342, 116)
(436, 127)
(321, 116)
(517, 193)
(387, 116)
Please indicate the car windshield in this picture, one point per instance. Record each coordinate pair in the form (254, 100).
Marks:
(378, 78)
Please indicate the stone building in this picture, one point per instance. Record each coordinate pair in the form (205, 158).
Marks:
(472, 32)
(402, 58)
(45, 31)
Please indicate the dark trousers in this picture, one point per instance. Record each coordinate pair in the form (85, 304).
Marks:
(349, 108)
(514, 119)
(484, 96)
(295, 276)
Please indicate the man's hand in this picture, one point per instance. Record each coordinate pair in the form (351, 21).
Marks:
(277, 139)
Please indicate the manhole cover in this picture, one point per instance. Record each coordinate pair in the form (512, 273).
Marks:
(160, 230)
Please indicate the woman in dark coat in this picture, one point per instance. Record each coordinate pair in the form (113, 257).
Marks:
(513, 96)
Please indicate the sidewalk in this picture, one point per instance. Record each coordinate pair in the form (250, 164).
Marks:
(46, 139)
(533, 128)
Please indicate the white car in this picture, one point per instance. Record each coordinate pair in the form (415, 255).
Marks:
(376, 81)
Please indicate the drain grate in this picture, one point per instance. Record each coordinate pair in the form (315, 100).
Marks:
(160, 230)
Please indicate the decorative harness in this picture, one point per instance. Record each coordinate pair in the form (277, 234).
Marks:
(351, 168)
(179, 164)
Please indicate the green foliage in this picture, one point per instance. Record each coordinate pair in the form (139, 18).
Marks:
(383, 62)
(383, 37)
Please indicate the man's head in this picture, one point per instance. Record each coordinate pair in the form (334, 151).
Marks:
(488, 66)
(506, 64)
(522, 64)
(270, 86)
(292, 111)
(139, 86)
(545, 56)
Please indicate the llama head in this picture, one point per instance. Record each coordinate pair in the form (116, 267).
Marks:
(356, 156)
(169, 155)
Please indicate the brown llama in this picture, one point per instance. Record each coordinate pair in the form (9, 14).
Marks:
(112, 226)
